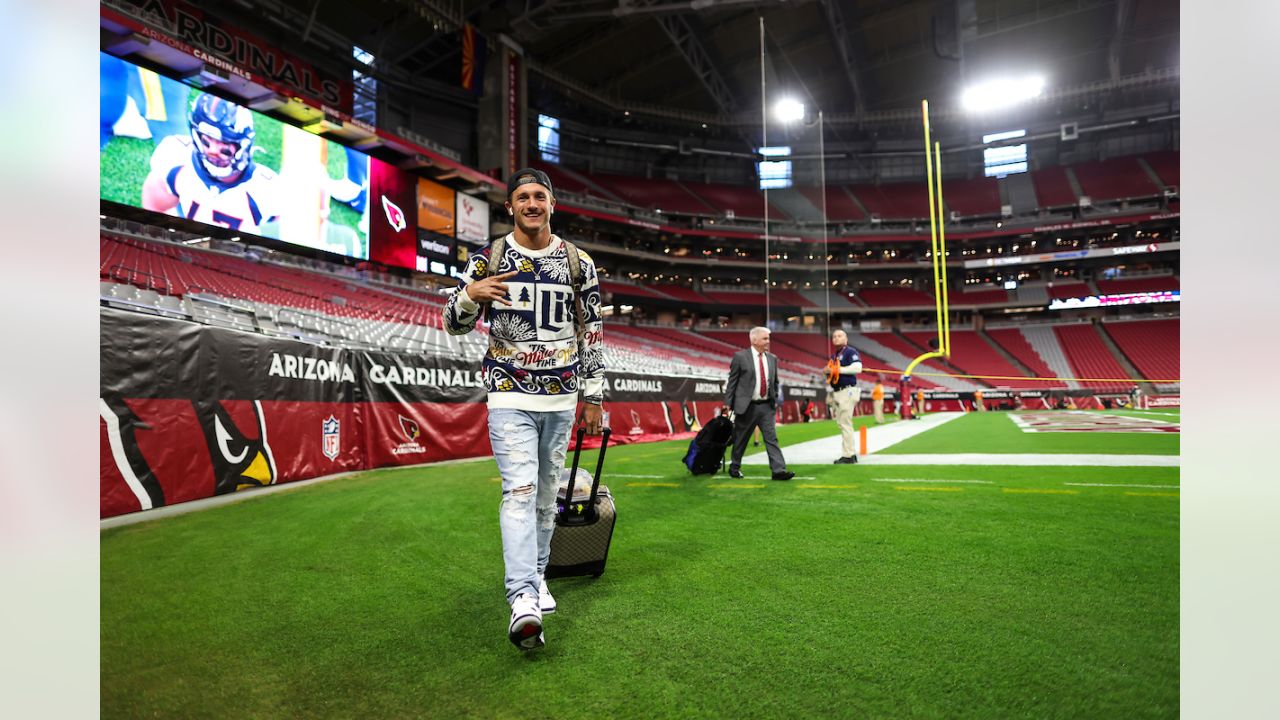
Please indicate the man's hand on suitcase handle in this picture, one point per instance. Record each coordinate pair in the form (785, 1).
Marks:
(593, 417)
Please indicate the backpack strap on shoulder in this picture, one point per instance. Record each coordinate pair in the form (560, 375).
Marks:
(575, 264)
(497, 249)
(580, 312)
(575, 278)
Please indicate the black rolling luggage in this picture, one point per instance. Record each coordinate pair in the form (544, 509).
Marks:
(706, 450)
(584, 521)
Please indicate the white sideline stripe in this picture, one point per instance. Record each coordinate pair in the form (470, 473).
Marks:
(648, 477)
(1026, 459)
(117, 451)
(1124, 485)
(879, 437)
(770, 477)
(924, 480)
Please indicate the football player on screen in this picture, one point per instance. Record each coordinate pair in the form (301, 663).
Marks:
(210, 176)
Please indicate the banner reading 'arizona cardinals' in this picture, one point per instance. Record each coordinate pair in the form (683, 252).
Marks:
(189, 411)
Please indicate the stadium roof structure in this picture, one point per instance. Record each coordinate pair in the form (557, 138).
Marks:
(698, 61)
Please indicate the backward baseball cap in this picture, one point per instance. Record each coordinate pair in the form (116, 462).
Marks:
(529, 175)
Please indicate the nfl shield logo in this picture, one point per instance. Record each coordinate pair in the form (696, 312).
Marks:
(331, 437)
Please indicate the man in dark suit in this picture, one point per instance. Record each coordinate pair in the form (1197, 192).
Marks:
(752, 392)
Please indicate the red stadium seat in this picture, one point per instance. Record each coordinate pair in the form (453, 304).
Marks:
(972, 354)
(1166, 166)
(899, 345)
(841, 207)
(1068, 289)
(1115, 179)
(1012, 341)
(1053, 189)
(629, 290)
(978, 297)
(563, 180)
(974, 197)
(745, 202)
(894, 201)
(1152, 346)
(895, 297)
(656, 194)
(681, 292)
(1089, 357)
(142, 263)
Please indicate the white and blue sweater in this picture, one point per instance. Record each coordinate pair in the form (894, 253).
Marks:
(532, 362)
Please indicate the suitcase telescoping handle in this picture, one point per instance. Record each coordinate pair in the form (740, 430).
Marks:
(589, 511)
(595, 482)
(573, 472)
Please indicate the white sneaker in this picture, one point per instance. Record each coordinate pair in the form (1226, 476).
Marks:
(525, 630)
(546, 603)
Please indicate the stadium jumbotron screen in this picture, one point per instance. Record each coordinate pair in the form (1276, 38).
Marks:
(171, 148)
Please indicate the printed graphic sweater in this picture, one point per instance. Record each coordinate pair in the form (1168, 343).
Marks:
(533, 360)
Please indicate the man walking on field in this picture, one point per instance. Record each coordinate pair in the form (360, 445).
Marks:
(752, 393)
(546, 353)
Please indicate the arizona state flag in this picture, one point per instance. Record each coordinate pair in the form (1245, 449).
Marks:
(474, 52)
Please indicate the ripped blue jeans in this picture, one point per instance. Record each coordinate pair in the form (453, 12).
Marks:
(530, 450)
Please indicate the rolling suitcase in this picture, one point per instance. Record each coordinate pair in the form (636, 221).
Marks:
(706, 451)
(584, 521)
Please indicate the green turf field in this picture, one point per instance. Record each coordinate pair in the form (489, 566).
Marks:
(995, 432)
(852, 591)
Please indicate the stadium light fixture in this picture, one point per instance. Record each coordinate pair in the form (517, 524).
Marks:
(1001, 94)
(789, 110)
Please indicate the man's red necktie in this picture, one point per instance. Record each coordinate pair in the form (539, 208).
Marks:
(763, 394)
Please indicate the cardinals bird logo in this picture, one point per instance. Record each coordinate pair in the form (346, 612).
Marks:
(240, 461)
(409, 428)
(395, 216)
(237, 455)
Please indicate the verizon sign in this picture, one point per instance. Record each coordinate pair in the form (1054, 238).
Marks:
(472, 218)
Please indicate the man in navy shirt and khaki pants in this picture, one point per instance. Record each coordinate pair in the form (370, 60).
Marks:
(844, 392)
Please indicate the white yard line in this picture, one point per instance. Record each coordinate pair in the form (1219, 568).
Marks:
(1025, 459)
(746, 476)
(1124, 485)
(825, 450)
(925, 480)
